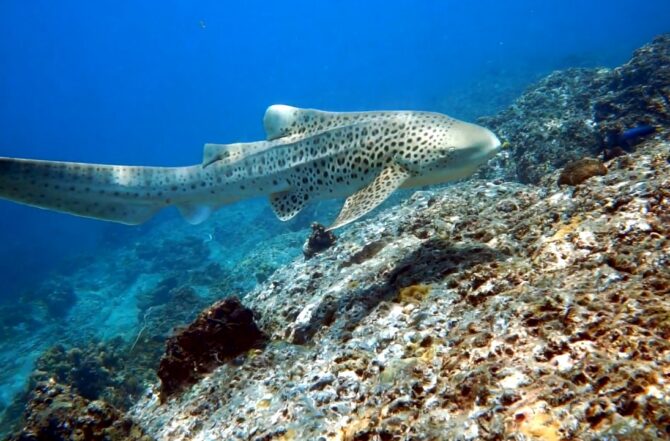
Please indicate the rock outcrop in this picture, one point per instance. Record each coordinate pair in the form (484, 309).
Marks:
(485, 311)
(488, 310)
(570, 114)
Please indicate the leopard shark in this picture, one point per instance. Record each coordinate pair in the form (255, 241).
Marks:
(309, 155)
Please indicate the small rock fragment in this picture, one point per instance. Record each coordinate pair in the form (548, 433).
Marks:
(318, 241)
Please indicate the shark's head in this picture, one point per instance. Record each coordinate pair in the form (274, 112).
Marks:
(471, 143)
(459, 148)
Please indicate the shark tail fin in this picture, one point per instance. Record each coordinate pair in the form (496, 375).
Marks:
(111, 193)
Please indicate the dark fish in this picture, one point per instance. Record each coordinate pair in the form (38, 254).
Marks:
(638, 132)
(628, 138)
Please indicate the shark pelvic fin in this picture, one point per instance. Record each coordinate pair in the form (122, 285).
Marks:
(287, 204)
(195, 213)
(370, 196)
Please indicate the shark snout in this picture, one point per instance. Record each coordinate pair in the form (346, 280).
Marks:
(483, 144)
(493, 141)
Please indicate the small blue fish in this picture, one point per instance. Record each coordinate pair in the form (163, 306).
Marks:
(628, 138)
(638, 132)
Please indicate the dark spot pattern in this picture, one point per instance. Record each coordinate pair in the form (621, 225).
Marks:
(325, 154)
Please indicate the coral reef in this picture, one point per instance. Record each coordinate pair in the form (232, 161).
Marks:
(129, 306)
(221, 332)
(114, 371)
(484, 310)
(57, 413)
(174, 254)
(96, 371)
(58, 299)
(15, 317)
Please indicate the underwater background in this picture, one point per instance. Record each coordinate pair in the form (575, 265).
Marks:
(148, 83)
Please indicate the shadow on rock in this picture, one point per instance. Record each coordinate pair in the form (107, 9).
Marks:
(437, 258)
(433, 261)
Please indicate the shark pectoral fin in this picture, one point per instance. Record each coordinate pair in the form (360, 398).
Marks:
(195, 213)
(287, 204)
(369, 197)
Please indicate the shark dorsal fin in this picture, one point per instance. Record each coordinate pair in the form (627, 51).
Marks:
(216, 152)
(281, 120)
(231, 152)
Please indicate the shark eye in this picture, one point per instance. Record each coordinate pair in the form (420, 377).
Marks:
(445, 152)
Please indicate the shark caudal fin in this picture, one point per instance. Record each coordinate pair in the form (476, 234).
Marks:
(111, 193)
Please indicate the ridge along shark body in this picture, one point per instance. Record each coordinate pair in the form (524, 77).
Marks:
(308, 155)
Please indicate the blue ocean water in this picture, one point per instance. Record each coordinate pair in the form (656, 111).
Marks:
(148, 83)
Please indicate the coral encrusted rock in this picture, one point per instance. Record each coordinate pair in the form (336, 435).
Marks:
(576, 172)
(221, 332)
(56, 413)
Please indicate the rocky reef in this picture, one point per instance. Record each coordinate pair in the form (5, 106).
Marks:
(572, 113)
(483, 312)
(488, 310)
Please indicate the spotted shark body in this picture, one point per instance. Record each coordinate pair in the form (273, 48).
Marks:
(309, 155)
